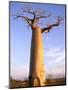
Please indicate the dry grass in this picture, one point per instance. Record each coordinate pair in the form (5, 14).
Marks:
(49, 82)
(56, 82)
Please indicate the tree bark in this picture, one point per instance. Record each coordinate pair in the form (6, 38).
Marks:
(37, 73)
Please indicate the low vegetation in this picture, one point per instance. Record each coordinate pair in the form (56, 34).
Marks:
(49, 82)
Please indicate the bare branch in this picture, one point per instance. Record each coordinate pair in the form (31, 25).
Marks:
(30, 11)
(37, 15)
(23, 17)
(26, 19)
(44, 16)
(39, 12)
(49, 28)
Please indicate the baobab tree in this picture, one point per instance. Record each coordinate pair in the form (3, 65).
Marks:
(37, 74)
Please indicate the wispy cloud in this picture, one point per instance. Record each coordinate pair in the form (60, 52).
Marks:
(55, 61)
(55, 55)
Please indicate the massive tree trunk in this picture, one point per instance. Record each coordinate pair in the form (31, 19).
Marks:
(37, 73)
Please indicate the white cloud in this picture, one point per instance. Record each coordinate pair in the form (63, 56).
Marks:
(55, 61)
(55, 55)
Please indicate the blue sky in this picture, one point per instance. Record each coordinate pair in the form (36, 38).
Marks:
(20, 41)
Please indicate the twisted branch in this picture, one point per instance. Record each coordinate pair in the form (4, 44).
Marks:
(26, 19)
(49, 28)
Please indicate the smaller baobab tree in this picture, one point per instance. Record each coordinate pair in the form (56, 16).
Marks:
(37, 74)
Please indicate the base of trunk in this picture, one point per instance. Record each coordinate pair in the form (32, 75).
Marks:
(34, 81)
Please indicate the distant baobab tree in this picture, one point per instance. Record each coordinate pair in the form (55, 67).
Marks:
(37, 74)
